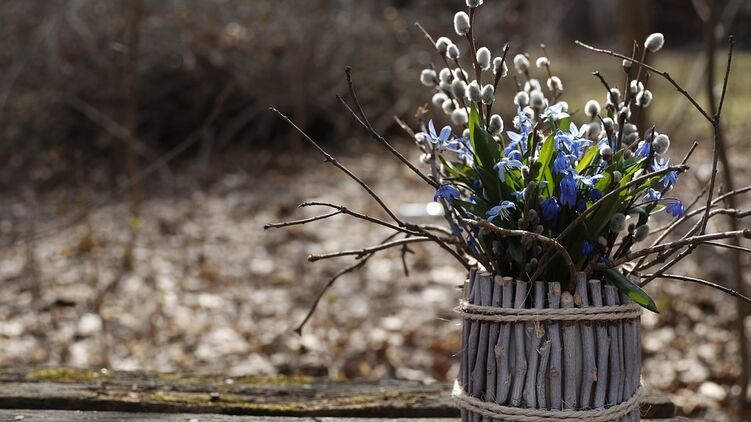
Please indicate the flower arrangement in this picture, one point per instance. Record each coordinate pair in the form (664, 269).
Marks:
(558, 192)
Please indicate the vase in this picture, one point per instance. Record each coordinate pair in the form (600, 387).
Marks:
(535, 352)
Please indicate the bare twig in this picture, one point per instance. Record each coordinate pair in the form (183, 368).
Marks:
(360, 253)
(299, 222)
(729, 291)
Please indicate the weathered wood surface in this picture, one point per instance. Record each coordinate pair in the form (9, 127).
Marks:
(78, 416)
(140, 393)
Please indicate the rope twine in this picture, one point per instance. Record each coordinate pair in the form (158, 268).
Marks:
(497, 411)
(591, 313)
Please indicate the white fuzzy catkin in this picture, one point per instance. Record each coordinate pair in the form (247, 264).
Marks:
(521, 98)
(459, 88)
(521, 63)
(626, 64)
(445, 75)
(474, 3)
(459, 73)
(537, 99)
(661, 144)
(606, 152)
(499, 65)
(555, 84)
(542, 62)
(483, 58)
(488, 94)
(428, 77)
(617, 222)
(495, 125)
(461, 23)
(614, 97)
(635, 87)
(452, 52)
(592, 108)
(448, 106)
(442, 44)
(644, 98)
(459, 117)
(474, 92)
(532, 84)
(609, 124)
(654, 42)
(439, 98)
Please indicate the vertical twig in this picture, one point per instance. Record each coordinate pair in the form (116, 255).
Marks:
(556, 366)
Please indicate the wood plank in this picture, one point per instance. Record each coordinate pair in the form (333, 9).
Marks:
(73, 389)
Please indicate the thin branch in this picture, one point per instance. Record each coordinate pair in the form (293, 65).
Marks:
(337, 164)
(360, 253)
(299, 222)
(724, 289)
(728, 246)
(344, 210)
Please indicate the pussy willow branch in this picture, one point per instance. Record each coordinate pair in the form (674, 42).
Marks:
(300, 222)
(484, 224)
(356, 266)
(724, 289)
(344, 210)
(689, 241)
(360, 253)
(549, 255)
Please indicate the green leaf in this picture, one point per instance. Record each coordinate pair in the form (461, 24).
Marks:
(484, 146)
(585, 162)
(546, 159)
(630, 289)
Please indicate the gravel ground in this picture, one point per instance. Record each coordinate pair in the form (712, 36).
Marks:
(208, 290)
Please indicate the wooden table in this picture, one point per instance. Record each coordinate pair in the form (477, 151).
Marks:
(83, 395)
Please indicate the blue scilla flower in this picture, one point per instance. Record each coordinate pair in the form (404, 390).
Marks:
(550, 209)
(643, 149)
(588, 248)
(568, 190)
(652, 195)
(572, 140)
(505, 164)
(674, 207)
(670, 178)
(556, 111)
(595, 195)
(589, 181)
(581, 205)
(438, 138)
(502, 210)
(446, 192)
(562, 164)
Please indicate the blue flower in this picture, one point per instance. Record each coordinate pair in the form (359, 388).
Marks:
(581, 205)
(571, 140)
(595, 195)
(643, 149)
(652, 195)
(550, 209)
(446, 192)
(505, 163)
(438, 138)
(501, 210)
(674, 207)
(589, 181)
(587, 248)
(670, 178)
(555, 111)
(568, 191)
(562, 164)
(519, 139)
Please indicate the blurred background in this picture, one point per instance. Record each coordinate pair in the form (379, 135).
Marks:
(140, 163)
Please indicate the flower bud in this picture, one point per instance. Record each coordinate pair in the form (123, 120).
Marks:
(614, 97)
(602, 241)
(644, 98)
(461, 23)
(606, 152)
(488, 94)
(499, 65)
(474, 92)
(654, 42)
(521, 63)
(624, 113)
(452, 52)
(630, 128)
(448, 106)
(459, 117)
(465, 133)
(445, 75)
(521, 99)
(609, 124)
(635, 87)
(442, 44)
(495, 125)
(542, 61)
(459, 73)
(483, 58)
(661, 144)
(537, 100)
(532, 84)
(641, 233)
(617, 176)
(439, 98)
(617, 223)
(555, 84)
(592, 108)
(459, 88)
(428, 77)
(525, 176)
(474, 3)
